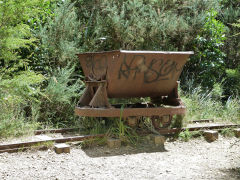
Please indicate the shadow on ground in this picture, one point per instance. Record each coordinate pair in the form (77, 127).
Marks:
(104, 151)
(232, 173)
(95, 150)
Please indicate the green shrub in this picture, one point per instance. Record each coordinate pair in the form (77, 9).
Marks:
(177, 121)
(17, 20)
(14, 34)
(202, 26)
(202, 104)
(19, 85)
(55, 57)
(227, 132)
(61, 93)
(59, 39)
(185, 135)
(233, 74)
(233, 80)
(19, 101)
(141, 24)
(237, 25)
(229, 15)
(14, 123)
(207, 65)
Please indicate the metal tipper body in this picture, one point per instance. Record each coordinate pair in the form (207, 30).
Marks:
(131, 74)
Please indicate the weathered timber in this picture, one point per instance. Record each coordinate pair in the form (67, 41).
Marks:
(158, 140)
(62, 148)
(113, 143)
(237, 132)
(210, 135)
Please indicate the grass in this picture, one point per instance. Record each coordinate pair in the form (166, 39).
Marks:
(200, 105)
(93, 142)
(203, 105)
(185, 135)
(15, 124)
(227, 132)
(38, 146)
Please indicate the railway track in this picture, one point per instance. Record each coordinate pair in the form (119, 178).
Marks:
(15, 147)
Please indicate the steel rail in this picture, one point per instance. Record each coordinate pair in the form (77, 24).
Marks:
(22, 145)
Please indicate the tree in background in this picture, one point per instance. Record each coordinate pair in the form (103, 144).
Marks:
(201, 26)
(229, 14)
(55, 57)
(19, 86)
(15, 33)
(141, 25)
(207, 66)
(58, 38)
(233, 75)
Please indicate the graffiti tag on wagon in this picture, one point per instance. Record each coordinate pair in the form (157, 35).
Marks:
(154, 70)
(96, 64)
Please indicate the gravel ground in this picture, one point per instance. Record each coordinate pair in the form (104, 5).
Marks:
(195, 159)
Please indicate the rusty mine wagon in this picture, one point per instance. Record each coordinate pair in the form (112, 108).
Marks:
(132, 74)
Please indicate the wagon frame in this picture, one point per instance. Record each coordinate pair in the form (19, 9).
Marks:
(100, 70)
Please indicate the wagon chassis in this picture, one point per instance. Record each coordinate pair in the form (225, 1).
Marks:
(129, 112)
(132, 74)
(94, 103)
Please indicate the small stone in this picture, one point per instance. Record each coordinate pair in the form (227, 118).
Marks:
(210, 135)
(158, 140)
(237, 132)
(62, 148)
(113, 143)
(66, 150)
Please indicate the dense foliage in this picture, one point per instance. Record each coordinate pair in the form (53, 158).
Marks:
(40, 78)
(201, 26)
(58, 39)
(144, 24)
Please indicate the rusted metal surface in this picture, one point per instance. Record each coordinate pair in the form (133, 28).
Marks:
(197, 128)
(126, 112)
(135, 73)
(18, 146)
(217, 126)
(63, 130)
(14, 150)
(129, 74)
(203, 121)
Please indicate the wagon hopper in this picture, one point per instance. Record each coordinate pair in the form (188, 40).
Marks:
(132, 74)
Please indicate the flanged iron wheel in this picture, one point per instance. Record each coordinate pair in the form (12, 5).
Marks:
(132, 121)
(162, 122)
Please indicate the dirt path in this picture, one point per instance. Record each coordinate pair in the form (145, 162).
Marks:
(195, 159)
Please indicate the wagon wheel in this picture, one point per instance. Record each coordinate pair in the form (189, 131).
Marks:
(162, 122)
(133, 121)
